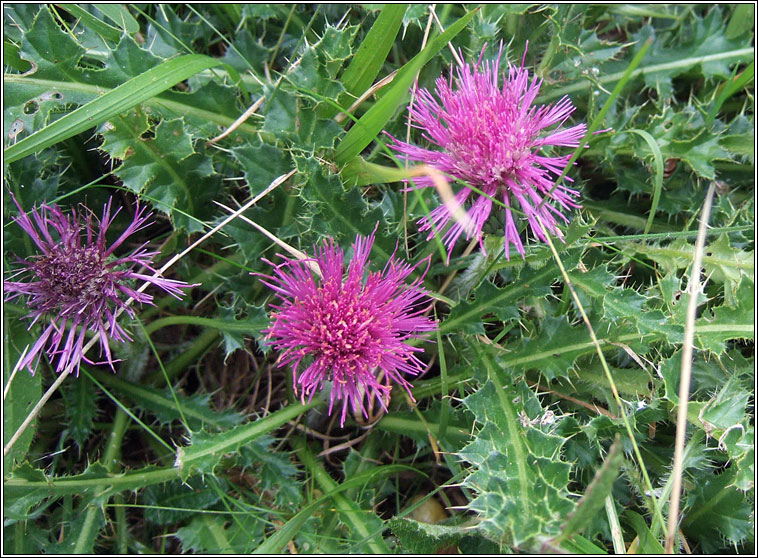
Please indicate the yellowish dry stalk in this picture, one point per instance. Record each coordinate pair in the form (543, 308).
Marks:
(446, 194)
(370, 91)
(694, 287)
(241, 120)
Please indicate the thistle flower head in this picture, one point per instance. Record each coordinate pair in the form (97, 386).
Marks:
(77, 284)
(348, 324)
(490, 136)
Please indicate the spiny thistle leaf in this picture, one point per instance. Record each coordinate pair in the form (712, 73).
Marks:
(727, 322)
(416, 537)
(334, 212)
(596, 493)
(518, 474)
(261, 163)
(165, 168)
(625, 305)
(707, 37)
(214, 534)
(23, 392)
(275, 471)
(716, 509)
(184, 499)
(81, 409)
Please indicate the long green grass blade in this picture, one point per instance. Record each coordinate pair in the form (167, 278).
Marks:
(120, 15)
(116, 101)
(350, 512)
(97, 25)
(657, 180)
(368, 59)
(371, 123)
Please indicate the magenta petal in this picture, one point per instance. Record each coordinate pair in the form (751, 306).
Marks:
(485, 131)
(351, 324)
(76, 285)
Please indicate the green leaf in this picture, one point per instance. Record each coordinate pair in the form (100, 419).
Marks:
(416, 537)
(333, 212)
(262, 163)
(276, 542)
(161, 403)
(624, 304)
(176, 500)
(365, 526)
(127, 95)
(532, 282)
(715, 509)
(741, 21)
(596, 493)
(27, 486)
(17, 503)
(727, 322)
(93, 22)
(119, 14)
(236, 329)
(370, 56)
(647, 544)
(275, 471)
(289, 118)
(518, 474)
(312, 77)
(82, 531)
(707, 38)
(164, 168)
(721, 261)
(24, 392)
(214, 534)
(726, 410)
(370, 124)
(81, 408)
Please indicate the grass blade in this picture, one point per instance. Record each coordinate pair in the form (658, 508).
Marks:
(658, 180)
(122, 98)
(368, 59)
(97, 25)
(371, 123)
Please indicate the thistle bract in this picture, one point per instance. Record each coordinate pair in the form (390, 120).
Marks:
(77, 285)
(352, 326)
(490, 136)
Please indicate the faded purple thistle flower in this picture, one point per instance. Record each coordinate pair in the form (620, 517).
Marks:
(77, 284)
(351, 326)
(490, 137)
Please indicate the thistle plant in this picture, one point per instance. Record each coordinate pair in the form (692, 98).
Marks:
(352, 326)
(550, 405)
(77, 285)
(490, 136)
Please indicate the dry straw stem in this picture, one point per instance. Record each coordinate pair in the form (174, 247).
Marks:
(253, 108)
(446, 194)
(241, 120)
(38, 407)
(370, 91)
(648, 485)
(694, 287)
(312, 265)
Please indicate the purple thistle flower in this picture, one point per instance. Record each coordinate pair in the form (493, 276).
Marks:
(490, 137)
(348, 324)
(77, 284)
